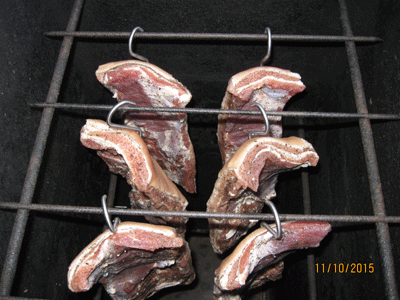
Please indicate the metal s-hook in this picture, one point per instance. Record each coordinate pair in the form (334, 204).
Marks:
(278, 232)
(264, 114)
(266, 57)
(135, 55)
(114, 109)
(113, 225)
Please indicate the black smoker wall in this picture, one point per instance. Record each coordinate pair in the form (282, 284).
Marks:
(73, 175)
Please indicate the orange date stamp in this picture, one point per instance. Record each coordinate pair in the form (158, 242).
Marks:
(351, 268)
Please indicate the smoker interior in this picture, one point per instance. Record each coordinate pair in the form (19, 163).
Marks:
(72, 175)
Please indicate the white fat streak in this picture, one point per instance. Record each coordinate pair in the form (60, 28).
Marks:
(106, 78)
(258, 141)
(121, 228)
(284, 155)
(261, 250)
(167, 284)
(168, 136)
(76, 263)
(108, 144)
(255, 83)
(164, 230)
(230, 233)
(170, 139)
(285, 72)
(130, 64)
(166, 92)
(165, 263)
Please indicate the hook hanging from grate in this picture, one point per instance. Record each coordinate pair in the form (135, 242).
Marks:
(112, 225)
(114, 109)
(268, 55)
(264, 114)
(278, 232)
(135, 55)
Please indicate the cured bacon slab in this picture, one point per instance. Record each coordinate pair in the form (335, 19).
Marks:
(125, 153)
(256, 259)
(134, 262)
(166, 135)
(270, 273)
(248, 180)
(271, 87)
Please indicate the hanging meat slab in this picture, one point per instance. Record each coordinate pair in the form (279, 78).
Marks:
(271, 87)
(125, 153)
(257, 259)
(134, 262)
(165, 134)
(248, 180)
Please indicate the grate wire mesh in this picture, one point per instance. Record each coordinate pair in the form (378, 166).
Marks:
(379, 218)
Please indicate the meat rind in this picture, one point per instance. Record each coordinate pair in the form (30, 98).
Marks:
(271, 87)
(248, 180)
(272, 273)
(134, 262)
(125, 153)
(166, 135)
(252, 258)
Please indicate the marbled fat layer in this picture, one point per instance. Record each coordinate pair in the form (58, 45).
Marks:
(248, 179)
(271, 87)
(165, 134)
(134, 262)
(126, 153)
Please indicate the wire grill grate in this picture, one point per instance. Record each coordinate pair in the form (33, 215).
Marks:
(379, 218)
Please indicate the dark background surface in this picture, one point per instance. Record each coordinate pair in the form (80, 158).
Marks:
(74, 175)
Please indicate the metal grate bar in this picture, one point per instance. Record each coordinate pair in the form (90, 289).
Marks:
(371, 160)
(380, 218)
(232, 37)
(111, 190)
(299, 114)
(312, 280)
(110, 203)
(198, 214)
(18, 231)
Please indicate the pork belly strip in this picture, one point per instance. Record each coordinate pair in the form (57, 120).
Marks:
(272, 273)
(271, 87)
(251, 261)
(134, 262)
(248, 180)
(166, 135)
(125, 153)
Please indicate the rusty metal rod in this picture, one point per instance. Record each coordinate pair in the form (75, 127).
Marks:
(18, 231)
(312, 279)
(197, 214)
(233, 37)
(110, 203)
(302, 114)
(375, 185)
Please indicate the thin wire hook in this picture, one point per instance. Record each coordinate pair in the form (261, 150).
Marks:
(266, 57)
(114, 109)
(135, 55)
(116, 221)
(278, 232)
(264, 114)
